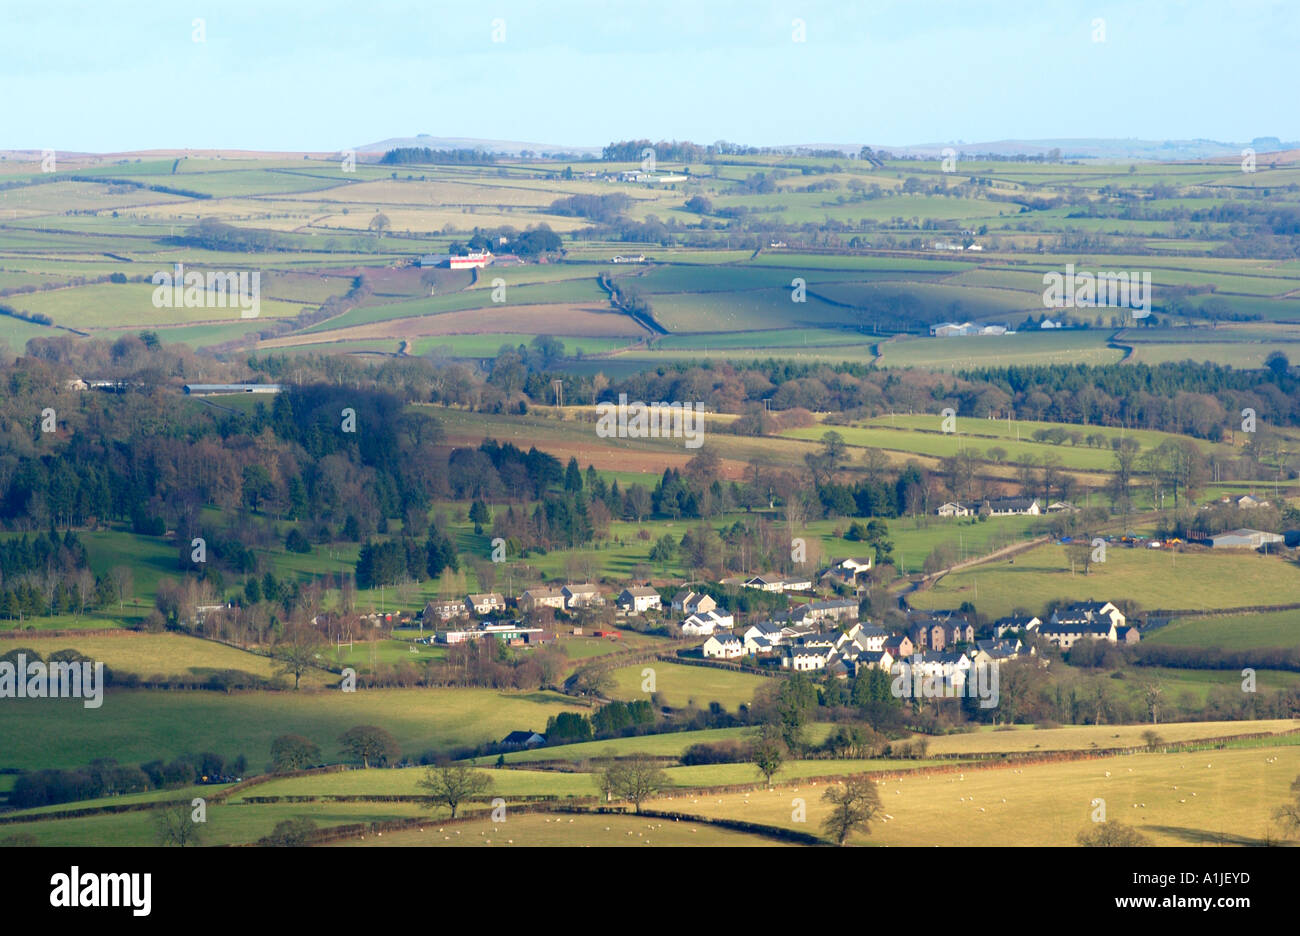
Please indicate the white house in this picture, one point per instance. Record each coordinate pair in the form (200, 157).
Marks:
(805, 658)
(723, 647)
(582, 596)
(639, 598)
(1026, 622)
(485, 603)
(953, 509)
(707, 622)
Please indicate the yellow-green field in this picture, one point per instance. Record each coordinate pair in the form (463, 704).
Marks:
(685, 685)
(563, 830)
(167, 655)
(1156, 579)
(1235, 791)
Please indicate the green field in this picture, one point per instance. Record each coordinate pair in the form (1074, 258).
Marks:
(1155, 579)
(681, 686)
(140, 725)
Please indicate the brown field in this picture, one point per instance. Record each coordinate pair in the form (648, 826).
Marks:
(558, 319)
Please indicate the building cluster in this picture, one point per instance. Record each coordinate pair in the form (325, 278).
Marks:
(967, 329)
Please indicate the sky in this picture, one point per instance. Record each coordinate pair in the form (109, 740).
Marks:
(119, 75)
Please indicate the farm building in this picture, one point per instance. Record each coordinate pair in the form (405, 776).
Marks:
(1245, 539)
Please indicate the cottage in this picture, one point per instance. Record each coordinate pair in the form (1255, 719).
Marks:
(523, 739)
(1127, 635)
(534, 599)
(484, 604)
(442, 610)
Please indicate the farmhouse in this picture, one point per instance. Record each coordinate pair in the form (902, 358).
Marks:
(639, 598)
(534, 599)
(1089, 610)
(582, 596)
(474, 260)
(847, 571)
(954, 509)
(484, 604)
(723, 647)
(1245, 539)
(523, 739)
(443, 610)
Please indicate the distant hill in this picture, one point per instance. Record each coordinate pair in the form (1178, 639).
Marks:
(1099, 149)
(503, 147)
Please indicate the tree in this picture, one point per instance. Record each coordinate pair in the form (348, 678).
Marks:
(451, 784)
(1112, 835)
(369, 743)
(635, 778)
(768, 753)
(853, 806)
(297, 651)
(290, 833)
(293, 752)
(174, 824)
(379, 224)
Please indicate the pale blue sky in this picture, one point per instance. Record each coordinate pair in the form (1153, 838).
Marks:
(328, 75)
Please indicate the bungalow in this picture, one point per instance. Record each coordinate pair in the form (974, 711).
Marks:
(534, 599)
(707, 622)
(582, 596)
(723, 647)
(485, 603)
(692, 602)
(954, 509)
(523, 739)
(639, 598)
(1011, 506)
